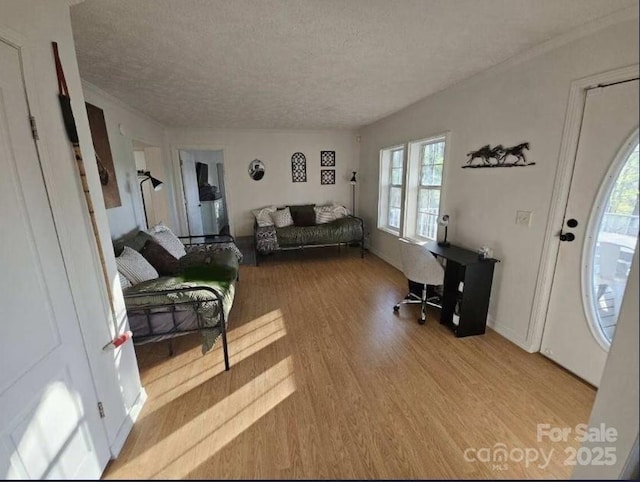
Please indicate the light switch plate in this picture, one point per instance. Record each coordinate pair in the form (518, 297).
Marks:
(523, 218)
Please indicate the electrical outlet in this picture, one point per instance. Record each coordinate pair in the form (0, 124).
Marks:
(523, 218)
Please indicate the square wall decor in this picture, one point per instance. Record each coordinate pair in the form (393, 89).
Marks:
(328, 158)
(327, 176)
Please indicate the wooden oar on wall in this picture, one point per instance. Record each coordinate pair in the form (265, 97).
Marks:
(72, 134)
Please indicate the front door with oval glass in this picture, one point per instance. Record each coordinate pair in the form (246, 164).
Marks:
(599, 234)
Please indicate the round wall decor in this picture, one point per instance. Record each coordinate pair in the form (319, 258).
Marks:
(256, 169)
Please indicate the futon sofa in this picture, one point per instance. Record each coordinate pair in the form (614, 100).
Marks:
(339, 229)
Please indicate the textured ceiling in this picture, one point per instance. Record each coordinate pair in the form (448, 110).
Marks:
(303, 63)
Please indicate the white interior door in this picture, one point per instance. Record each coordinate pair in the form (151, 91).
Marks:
(49, 421)
(595, 257)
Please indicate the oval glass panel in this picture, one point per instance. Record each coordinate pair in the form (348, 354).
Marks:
(615, 238)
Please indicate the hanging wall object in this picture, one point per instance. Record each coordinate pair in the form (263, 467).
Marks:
(298, 167)
(328, 158)
(256, 169)
(499, 156)
(327, 176)
(101, 146)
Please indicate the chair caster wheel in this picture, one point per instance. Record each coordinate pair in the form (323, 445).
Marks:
(422, 321)
(396, 308)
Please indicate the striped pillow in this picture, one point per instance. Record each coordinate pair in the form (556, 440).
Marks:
(340, 211)
(324, 214)
(134, 267)
(124, 282)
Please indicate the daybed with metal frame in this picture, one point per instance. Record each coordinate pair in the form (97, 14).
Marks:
(198, 299)
(348, 230)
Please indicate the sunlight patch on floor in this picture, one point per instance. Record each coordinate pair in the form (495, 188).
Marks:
(166, 365)
(252, 325)
(244, 343)
(214, 428)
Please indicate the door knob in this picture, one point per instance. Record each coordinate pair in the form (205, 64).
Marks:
(572, 223)
(568, 237)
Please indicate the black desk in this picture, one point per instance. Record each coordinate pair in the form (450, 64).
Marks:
(477, 275)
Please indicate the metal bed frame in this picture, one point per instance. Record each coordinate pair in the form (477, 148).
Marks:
(148, 309)
(305, 246)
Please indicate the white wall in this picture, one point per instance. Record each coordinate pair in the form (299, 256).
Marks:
(124, 125)
(274, 148)
(521, 101)
(116, 378)
(159, 207)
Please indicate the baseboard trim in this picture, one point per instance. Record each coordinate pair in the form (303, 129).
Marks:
(509, 334)
(127, 424)
(383, 257)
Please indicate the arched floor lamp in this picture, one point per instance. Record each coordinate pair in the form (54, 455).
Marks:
(157, 185)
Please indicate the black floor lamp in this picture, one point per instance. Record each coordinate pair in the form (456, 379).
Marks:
(353, 183)
(157, 185)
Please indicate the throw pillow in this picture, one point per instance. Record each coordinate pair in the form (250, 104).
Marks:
(157, 228)
(324, 214)
(282, 218)
(124, 282)
(135, 268)
(303, 215)
(340, 211)
(263, 215)
(169, 241)
(162, 260)
(134, 242)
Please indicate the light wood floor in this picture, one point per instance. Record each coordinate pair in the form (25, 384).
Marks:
(326, 382)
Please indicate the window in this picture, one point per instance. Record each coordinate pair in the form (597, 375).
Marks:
(612, 243)
(410, 191)
(395, 189)
(431, 159)
(391, 186)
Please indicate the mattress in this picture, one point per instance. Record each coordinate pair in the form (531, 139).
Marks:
(343, 230)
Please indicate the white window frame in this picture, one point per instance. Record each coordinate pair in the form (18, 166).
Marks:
(414, 185)
(385, 186)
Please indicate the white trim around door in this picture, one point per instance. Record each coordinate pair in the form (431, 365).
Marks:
(562, 183)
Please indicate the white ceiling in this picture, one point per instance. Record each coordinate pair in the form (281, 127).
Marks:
(303, 63)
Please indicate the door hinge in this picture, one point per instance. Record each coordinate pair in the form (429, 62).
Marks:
(101, 410)
(34, 127)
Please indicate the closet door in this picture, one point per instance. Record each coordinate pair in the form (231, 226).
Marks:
(49, 419)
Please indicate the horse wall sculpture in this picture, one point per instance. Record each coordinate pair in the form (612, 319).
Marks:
(500, 155)
(518, 152)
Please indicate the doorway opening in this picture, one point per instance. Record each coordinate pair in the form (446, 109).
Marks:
(204, 191)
